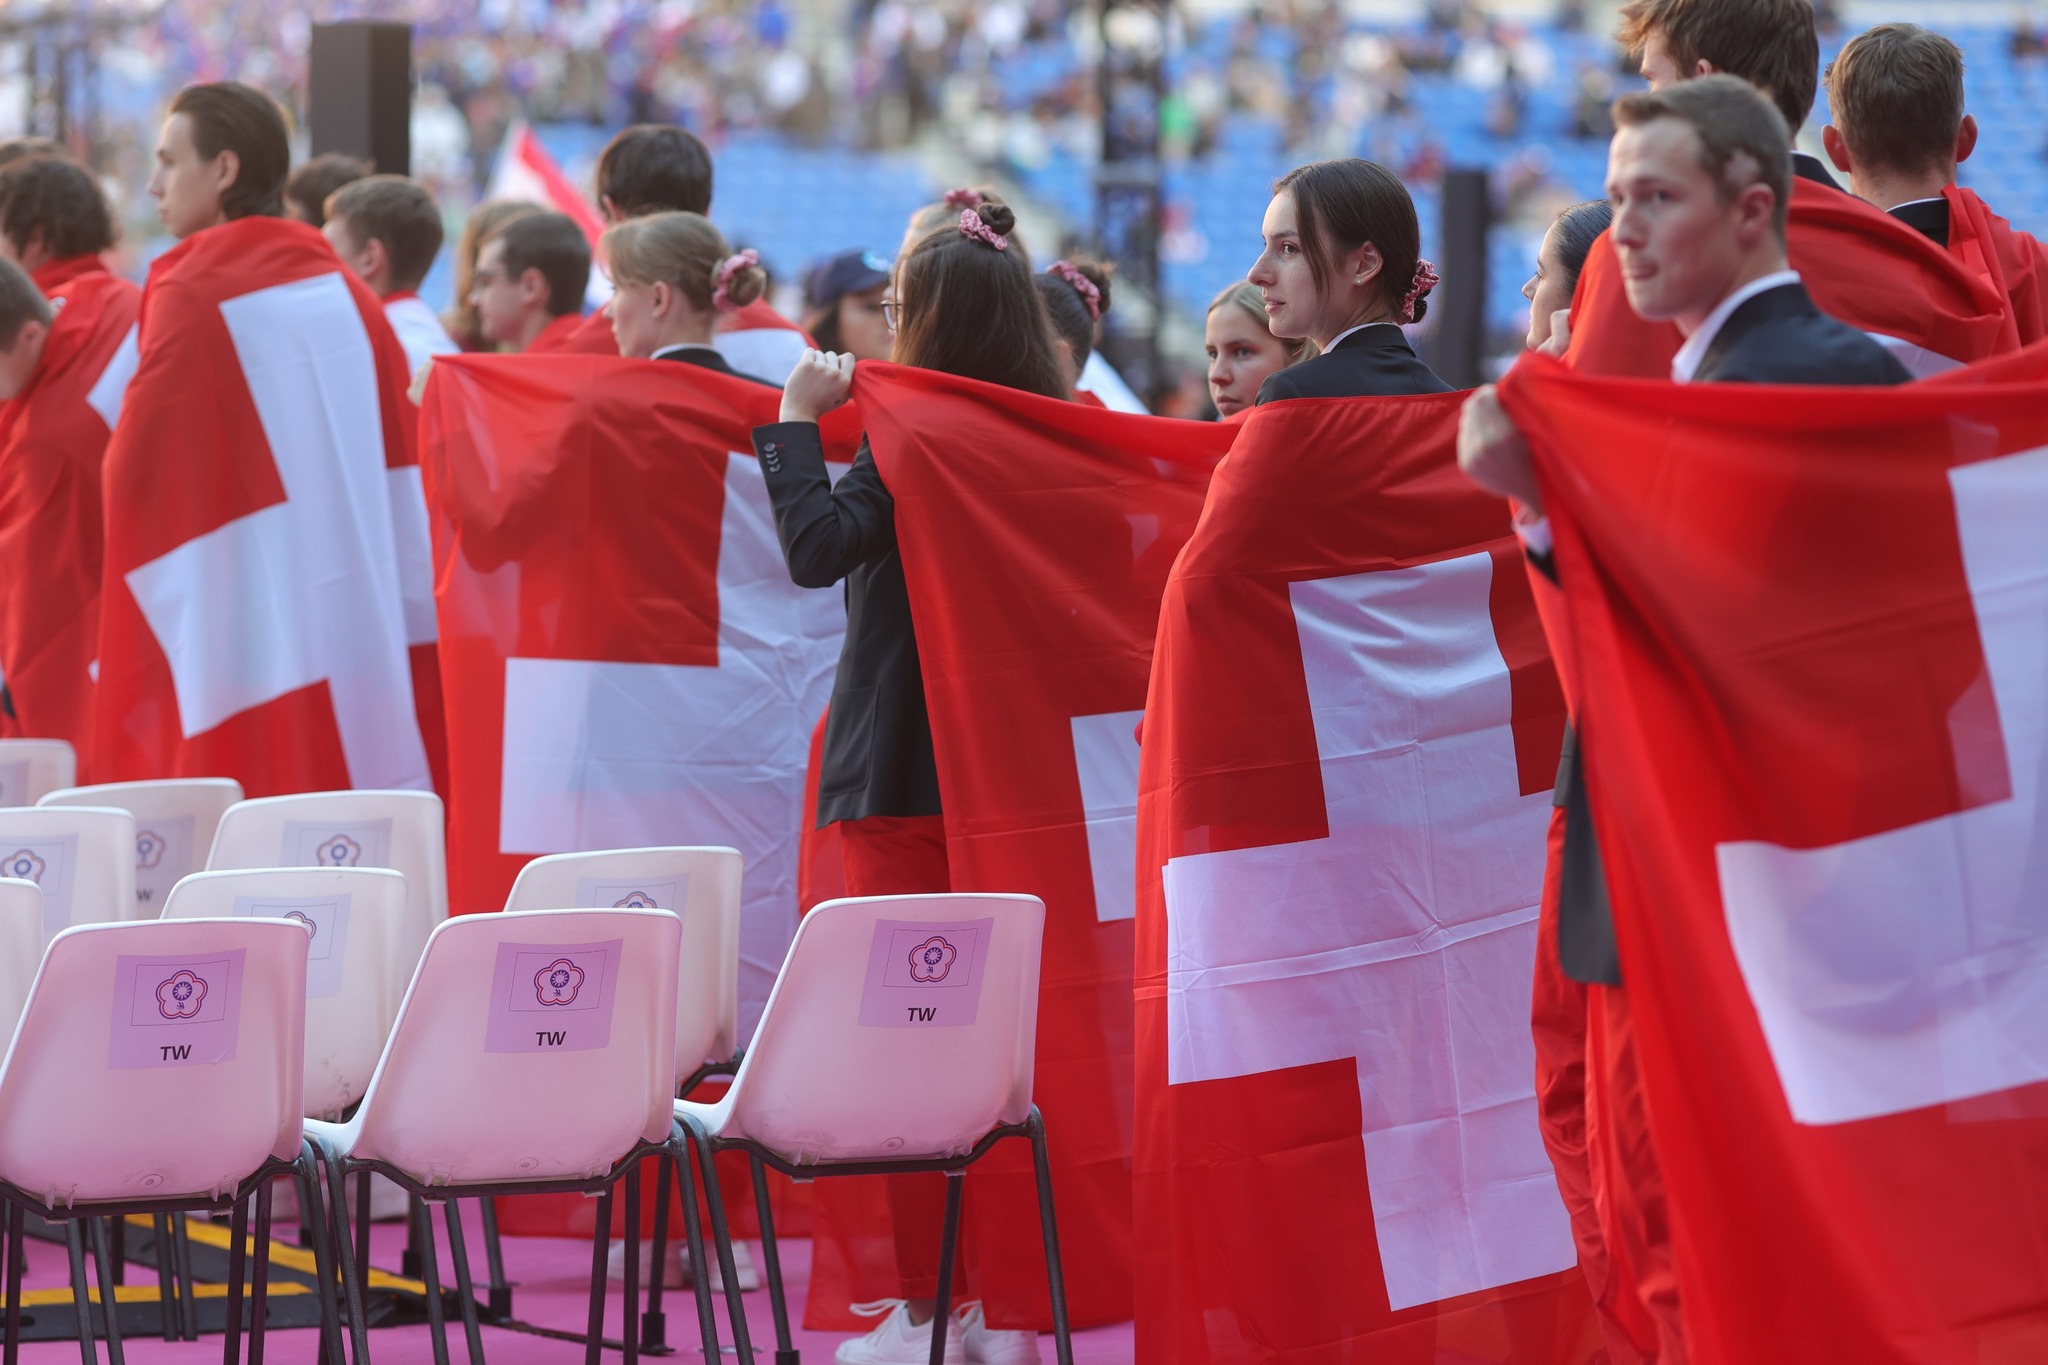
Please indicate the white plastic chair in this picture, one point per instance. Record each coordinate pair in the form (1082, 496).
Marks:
(534, 1052)
(403, 830)
(83, 858)
(899, 1037)
(21, 946)
(31, 767)
(174, 824)
(156, 1068)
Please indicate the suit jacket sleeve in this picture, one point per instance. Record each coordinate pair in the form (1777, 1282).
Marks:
(826, 532)
(1277, 385)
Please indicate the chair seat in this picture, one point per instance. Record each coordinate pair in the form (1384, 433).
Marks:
(720, 1120)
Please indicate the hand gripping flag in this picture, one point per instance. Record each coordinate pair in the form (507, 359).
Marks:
(1349, 746)
(1036, 536)
(2014, 262)
(1861, 265)
(1814, 629)
(53, 437)
(266, 559)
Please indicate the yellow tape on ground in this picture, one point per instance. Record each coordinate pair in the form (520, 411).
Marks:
(281, 1254)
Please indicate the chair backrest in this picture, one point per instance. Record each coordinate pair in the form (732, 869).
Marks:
(31, 767)
(174, 824)
(402, 830)
(156, 1060)
(354, 914)
(21, 946)
(702, 885)
(83, 857)
(531, 1045)
(900, 1027)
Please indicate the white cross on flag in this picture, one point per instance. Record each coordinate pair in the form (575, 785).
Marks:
(1348, 748)
(262, 526)
(1810, 634)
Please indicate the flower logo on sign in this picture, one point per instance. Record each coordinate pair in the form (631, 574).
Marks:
(149, 849)
(558, 982)
(932, 959)
(181, 996)
(25, 864)
(305, 919)
(339, 851)
(639, 900)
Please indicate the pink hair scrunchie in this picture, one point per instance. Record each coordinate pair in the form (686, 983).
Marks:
(1085, 287)
(972, 226)
(1425, 280)
(966, 197)
(728, 271)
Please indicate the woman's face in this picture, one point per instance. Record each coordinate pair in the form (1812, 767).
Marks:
(1241, 355)
(863, 329)
(1549, 290)
(1282, 273)
(634, 309)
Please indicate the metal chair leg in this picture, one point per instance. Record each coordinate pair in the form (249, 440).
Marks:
(785, 1353)
(430, 1273)
(409, 1259)
(631, 1298)
(1055, 1274)
(654, 1322)
(74, 1246)
(259, 1290)
(494, 1262)
(306, 1177)
(949, 1239)
(363, 1225)
(722, 1240)
(166, 1281)
(238, 1269)
(465, 1291)
(600, 1252)
(15, 1220)
(103, 1262)
(337, 1245)
(693, 1238)
(188, 1304)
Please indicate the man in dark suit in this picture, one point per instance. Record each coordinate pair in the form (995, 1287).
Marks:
(1700, 176)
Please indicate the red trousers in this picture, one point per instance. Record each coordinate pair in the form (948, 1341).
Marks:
(901, 855)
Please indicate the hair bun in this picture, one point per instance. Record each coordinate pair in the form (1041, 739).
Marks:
(999, 217)
(1099, 274)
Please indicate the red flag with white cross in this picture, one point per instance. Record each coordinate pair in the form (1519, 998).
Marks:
(1350, 740)
(1810, 630)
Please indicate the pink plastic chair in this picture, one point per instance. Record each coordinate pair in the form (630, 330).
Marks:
(880, 995)
(31, 767)
(157, 1068)
(175, 819)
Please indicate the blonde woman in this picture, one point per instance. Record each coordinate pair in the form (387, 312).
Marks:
(1243, 351)
(675, 275)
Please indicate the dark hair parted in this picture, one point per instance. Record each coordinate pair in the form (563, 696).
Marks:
(228, 116)
(1896, 94)
(307, 191)
(1341, 205)
(972, 310)
(1743, 138)
(552, 244)
(1576, 229)
(654, 168)
(55, 204)
(20, 302)
(396, 211)
(1769, 43)
(1068, 311)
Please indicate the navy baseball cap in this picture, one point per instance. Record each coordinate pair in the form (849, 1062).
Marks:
(850, 272)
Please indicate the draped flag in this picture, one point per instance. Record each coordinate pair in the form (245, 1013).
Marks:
(634, 664)
(1349, 745)
(2014, 261)
(53, 436)
(1861, 265)
(1036, 536)
(266, 601)
(1813, 626)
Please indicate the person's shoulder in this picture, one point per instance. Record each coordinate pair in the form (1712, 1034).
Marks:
(1810, 348)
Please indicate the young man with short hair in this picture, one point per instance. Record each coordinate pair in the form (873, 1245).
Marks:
(310, 186)
(54, 221)
(529, 282)
(387, 229)
(1900, 130)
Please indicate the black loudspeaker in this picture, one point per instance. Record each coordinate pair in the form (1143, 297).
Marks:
(360, 95)
(1458, 348)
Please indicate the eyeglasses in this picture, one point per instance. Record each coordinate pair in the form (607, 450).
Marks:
(484, 279)
(892, 314)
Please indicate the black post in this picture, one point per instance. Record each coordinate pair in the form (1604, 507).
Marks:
(1129, 197)
(359, 95)
(1457, 348)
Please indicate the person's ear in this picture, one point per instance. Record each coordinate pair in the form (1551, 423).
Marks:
(1837, 147)
(371, 258)
(227, 168)
(608, 209)
(1364, 265)
(1755, 209)
(1703, 67)
(533, 287)
(1966, 138)
(660, 298)
(29, 339)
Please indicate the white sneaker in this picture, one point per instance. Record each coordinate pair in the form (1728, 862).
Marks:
(678, 1268)
(896, 1342)
(986, 1346)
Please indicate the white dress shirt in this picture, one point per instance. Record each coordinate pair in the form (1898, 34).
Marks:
(419, 331)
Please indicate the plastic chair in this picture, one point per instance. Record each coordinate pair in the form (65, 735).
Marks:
(83, 858)
(403, 830)
(21, 946)
(31, 767)
(534, 1053)
(703, 886)
(899, 1037)
(156, 1069)
(174, 824)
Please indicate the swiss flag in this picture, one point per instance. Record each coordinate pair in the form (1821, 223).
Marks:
(1349, 745)
(2014, 261)
(1814, 626)
(1861, 265)
(1036, 538)
(53, 436)
(265, 583)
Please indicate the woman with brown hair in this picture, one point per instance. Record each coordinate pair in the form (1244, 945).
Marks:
(1076, 293)
(965, 304)
(674, 276)
(484, 222)
(1242, 350)
(1343, 267)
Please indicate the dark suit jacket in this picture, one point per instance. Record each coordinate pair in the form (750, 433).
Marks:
(707, 358)
(1808, 167)
(1929, 217)
(1777, 337)
(1374, 361)
(878, 735)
